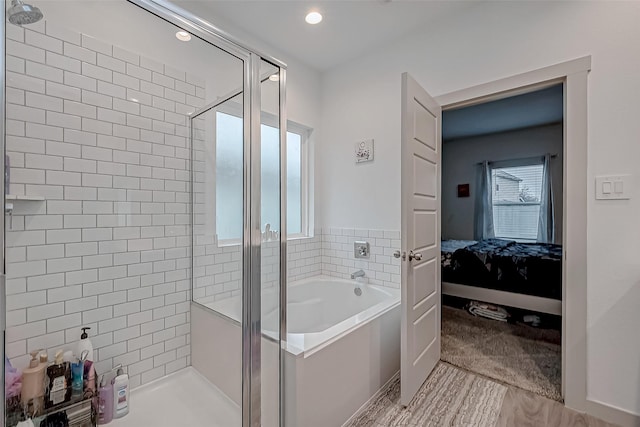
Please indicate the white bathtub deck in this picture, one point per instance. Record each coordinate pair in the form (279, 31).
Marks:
(181, 399)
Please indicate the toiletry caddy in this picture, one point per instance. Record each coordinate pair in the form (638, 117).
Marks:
(65, 389)
(81, 410)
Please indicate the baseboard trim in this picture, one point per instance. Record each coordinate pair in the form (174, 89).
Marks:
(371, 399)
(612, 414)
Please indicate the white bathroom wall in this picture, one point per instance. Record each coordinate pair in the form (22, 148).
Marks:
(460, 160)
(108, 246)
(361, 99)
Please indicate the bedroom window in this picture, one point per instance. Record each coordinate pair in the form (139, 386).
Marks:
(516, 201)
(229, 177)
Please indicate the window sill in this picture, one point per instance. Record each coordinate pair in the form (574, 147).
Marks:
(232, 243)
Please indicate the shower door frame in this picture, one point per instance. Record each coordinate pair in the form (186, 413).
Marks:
(3, 279)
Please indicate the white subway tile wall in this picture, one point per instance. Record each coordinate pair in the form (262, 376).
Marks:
(304, 257)
(109, 248)
(218, 269)
(330, 252)
(381, 268)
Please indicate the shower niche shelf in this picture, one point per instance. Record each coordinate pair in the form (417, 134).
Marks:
(13, 198)
(10, 199)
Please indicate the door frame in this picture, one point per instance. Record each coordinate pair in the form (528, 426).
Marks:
(573, 75)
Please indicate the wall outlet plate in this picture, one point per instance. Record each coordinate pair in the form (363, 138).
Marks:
(361, 249)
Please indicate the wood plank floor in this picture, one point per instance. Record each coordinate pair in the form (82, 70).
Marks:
(523, 409)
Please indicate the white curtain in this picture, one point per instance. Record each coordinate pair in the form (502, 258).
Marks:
(483, 227)
(546, 221)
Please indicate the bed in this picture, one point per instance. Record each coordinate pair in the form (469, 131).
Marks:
(506, 272)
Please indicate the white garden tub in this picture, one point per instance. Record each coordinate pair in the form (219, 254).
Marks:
(341, 347)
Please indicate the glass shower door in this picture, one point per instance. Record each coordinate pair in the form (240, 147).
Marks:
(132, 150)
(237, 237)
(218, 141)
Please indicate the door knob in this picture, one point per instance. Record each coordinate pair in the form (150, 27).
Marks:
(402, 255)
(417, 256)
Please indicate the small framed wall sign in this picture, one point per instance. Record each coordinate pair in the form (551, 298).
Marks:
(463, 190)
(364, 151)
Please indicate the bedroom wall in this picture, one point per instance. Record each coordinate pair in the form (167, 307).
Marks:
(493, 40)
(460, 160)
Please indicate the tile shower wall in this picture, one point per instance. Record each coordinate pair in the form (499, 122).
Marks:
(304, 257)
(100, 133)
(218, 269)
(218, 275)
(381, 268)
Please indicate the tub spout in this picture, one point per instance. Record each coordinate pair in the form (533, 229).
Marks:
(359, 273)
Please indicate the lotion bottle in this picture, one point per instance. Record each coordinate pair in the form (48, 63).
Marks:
(105, 403)
(33, 382)
(85, 344)
(120, 394)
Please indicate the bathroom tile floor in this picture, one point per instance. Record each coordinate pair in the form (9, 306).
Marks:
(181, 399)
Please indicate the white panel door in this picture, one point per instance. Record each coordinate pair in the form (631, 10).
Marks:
(421, 142)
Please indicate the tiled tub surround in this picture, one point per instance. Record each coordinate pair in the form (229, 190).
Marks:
(109, 246)
(218, 268)
(381, 268)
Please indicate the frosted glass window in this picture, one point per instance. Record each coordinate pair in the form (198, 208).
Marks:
(270, 178)
(516, 193)
(294, 183)
(229, 178)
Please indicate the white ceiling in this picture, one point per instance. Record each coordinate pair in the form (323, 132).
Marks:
(531, 109)
(349, 28)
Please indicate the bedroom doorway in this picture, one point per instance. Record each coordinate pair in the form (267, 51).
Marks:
(501, 249)
(572, 75)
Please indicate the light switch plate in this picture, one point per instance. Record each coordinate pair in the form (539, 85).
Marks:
(613, 187)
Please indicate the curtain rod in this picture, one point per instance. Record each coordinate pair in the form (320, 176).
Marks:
(553, 156)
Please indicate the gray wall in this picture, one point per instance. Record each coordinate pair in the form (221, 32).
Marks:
(459, 166)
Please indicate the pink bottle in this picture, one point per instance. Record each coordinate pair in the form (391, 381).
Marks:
(105, 402)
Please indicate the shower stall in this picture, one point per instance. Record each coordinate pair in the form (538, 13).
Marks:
(144, 198)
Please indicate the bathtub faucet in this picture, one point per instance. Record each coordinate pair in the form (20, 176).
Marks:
(359, 273)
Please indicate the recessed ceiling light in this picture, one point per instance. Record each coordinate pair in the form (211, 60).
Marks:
(183, 36)
(274, 77)
(313, 18)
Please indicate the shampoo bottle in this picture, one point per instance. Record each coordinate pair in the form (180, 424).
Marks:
(33, 382)
(105, 403)
(120, 394)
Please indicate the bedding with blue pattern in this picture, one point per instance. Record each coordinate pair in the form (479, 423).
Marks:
(506, 265)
